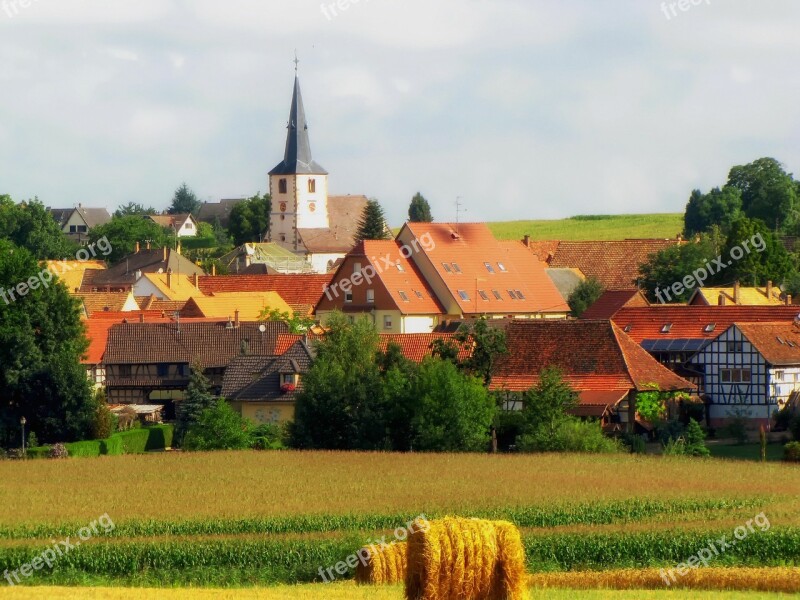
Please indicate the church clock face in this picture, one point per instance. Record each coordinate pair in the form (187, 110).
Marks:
(283, 206)
(312, 207)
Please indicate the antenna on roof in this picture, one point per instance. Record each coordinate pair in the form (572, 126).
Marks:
(178, 320)
(459, 210)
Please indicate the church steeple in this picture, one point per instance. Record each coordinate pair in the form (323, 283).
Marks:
(297, 157)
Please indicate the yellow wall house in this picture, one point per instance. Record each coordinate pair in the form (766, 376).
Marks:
(167, 286)
(249, 306)
(70, 272)
(263, 388)
(769, 295)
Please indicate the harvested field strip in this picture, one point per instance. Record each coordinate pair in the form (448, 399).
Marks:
(575, 514)
(786, 580)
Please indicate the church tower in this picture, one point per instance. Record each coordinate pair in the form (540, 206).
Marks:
(298, 185)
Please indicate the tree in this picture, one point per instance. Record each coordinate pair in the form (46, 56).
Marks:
(672, 265)
(184, 201)
(587, 293)
(718, 207)
(372, 225)
(134, 209)
(453, 412)
(297, 323)
(486, 345)
(763, 257)
(218, 427)
(546, 405)
(696, 440)
(249, 220)
(29, 225)
(124, 232)
(198, 398)
(41, 375)
(768, 192)
(419, 211)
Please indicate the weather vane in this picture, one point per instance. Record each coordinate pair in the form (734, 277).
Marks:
(296, 61)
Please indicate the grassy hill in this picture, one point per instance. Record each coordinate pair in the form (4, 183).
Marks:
(593, 227)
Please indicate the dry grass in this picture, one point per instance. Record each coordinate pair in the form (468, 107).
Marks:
(250, 484)
(785, 580)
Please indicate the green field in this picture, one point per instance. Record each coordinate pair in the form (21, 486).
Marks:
(588, 228)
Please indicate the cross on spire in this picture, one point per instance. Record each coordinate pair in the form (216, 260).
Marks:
(296, 61)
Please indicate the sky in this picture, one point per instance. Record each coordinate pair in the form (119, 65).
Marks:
(523, 109)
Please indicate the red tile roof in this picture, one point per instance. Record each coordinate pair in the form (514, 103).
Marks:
(692, 322)
(615, 264)
(416, 346)
(612, 301)
(593, 355)
(301, 292)
(466, 248)
(778, 343)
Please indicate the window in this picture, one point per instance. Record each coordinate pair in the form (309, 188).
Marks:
(447, 268)
(387, 322)
(735, 346)
(779, 375)
(736, 375)
(404, 296)
(628, 328)
(502, 267)
(483, 295)
(163, 370)
(512, 294)
(287, 378)
(520, 295)
(489, 267)
(456, 268)
(464, 295)
(283, 237)
(666, 328)
(497, 295)
(82, 229)
(188, 226)
(400, 267)
(710, 327)
(282, 187)
(357, 267)
(124, 370)
(312, 186)
(418, 293)
(73, 229)
(370, 296)
(348, 296)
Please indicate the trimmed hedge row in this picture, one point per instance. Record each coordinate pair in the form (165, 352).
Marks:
(134, 441)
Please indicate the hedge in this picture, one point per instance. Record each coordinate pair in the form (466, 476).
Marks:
(85, 449)
(160, 437)
(112, 446)
(135, 441)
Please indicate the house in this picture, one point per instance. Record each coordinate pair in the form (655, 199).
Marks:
(300, 292)
(211, 212)
(377, 280)
(263, 388)
(167, 286)
(242, 306)
(181, 225)
(305, 219)
(472, 274)
(566, 280)
(750, 370)
(71, 272)
(268, 258)
(417, 346)
(770, 295)
(612, 301)
(150, 363)
(77, 222)
(615, 264)
(122, 276)
(94, 302)
(598, 360)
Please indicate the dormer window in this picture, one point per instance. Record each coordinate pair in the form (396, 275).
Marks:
(282, 187)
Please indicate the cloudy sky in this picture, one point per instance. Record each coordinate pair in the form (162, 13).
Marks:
(523, 108)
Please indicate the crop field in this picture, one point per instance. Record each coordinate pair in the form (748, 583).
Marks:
(593, 227)
(255, 519)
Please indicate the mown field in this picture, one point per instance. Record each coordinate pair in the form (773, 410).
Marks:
(262, 519)
(601, 227)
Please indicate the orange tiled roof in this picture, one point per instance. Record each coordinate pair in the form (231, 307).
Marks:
(778, 343)
(300, 291)
(250, 305)
(612, 301)
(694, 322)
(416, 346)
(466, 249)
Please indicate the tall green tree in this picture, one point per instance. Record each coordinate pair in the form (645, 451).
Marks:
(198, 399)
(587, 293)
(719, 207)
(218, 427)
(249, 220)
(672, 265)
(486, 345)
(546, 405)
(41, 375)
(763, 256)
(124, 232)
(134, 209)
(768, 192)
(419, 211)
(31, 226)
(372, 225)
(184, 201)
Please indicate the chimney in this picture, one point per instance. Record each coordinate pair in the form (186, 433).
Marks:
(769, 290)
(213, 269)
(788, 299)
(141, 317)
(722, 300)
(169, 278)
(527, 241)
(737, 296)
(197, 281)
(236, 318)
(165, 254)
(137, 248)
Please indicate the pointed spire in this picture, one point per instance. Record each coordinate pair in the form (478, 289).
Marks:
(297, 157)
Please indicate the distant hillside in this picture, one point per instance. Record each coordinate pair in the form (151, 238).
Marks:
(593, 227)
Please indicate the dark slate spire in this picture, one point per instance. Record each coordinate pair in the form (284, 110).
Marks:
(297, 158)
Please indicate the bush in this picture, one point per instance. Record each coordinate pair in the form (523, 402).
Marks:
(675, 447)
(38, 452)
(635, 442)
(85, 449)
(33, 441)
(572, 435)
(696, 440)
(509, 425)
(112, 446)
(267, 436)
(791, 452)
(134, 441)
(58, 451)
(103, 422)
(218, 428)
(160, 437)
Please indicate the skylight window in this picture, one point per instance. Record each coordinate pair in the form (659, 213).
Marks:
(447, 268)
(464, 295)
(710, 327)
(502, 267)
(666, 328)
(628, 328)
(483, 295)
(497, 295)
(489, 267)
(520, 295)
(418, 293)
(404, 296)
(400, 267)
(456, 268)
(512, 294)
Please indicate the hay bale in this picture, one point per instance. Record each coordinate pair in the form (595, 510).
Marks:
(466, 559)
(383, 565)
